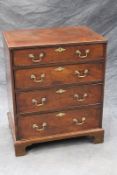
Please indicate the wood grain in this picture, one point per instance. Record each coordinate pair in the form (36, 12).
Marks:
(56, 124)
(53, 78)
(52, 36)
(56, 101)
(21, 57)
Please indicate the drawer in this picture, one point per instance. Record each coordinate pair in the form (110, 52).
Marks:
(52, 76)
(64, 54)
(58, 98)
(32, 126)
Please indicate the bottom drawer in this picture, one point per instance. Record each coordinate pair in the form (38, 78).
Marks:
(33, 126)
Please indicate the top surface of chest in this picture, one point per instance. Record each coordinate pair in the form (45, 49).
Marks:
(52, 36)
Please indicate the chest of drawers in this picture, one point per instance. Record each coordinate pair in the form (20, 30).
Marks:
(55, 83)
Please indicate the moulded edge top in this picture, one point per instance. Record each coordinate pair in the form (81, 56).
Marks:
(52, 36)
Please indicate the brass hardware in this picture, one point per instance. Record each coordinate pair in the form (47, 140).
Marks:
(41, 55)
(80, 54)
(35, 102)
(40, 128)
(78, 122)
(60, 49)
(80, 74)
(33, 77)
(78, 98)
(38, 58)
(59, 69)
(61, 114)
(60, 91)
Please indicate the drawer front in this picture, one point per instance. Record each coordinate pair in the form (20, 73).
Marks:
(71, 54)
(51, 76)
(56, 123)
(58, 98)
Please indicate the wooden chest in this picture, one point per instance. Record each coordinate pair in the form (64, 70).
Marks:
(55, 84)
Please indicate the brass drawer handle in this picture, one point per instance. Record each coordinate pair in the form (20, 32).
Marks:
(82, 74)
(36, 59)
(40, 128)
(60, 49)
(78, 122)
(80, 98)
(60, 91)
(36, 103)
(78, 52)
(59, 69)
(61, 114)
(34, 78)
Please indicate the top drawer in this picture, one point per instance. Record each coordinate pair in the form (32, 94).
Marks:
(62, 54)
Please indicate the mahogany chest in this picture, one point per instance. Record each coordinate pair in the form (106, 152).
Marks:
(55, 80)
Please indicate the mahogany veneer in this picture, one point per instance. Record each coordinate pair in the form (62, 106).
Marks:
(55, 100)
(51, 56)
(24, 78)
(55, 84)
